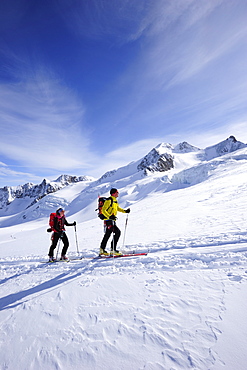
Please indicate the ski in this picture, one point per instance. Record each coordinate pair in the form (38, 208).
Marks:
(120, 255)
(97, 257)
(51, 262)
(69, 260)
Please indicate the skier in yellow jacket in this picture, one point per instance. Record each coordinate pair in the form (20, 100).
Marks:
(110, 210)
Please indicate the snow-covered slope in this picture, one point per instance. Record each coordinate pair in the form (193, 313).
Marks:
(182, 306)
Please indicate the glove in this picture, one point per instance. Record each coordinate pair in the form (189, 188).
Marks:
(49, 230)
(113, 218)
(127, 210)
(74, 223)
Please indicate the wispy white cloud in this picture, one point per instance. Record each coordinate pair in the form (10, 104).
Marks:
(119, 21)
(191, 65)
(130, 20)
(12, 177)
(201, 56)
(42, 123)
(180, 38)
(183, 37)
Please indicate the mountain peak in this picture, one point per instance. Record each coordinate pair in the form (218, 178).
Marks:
(159, 159)
(232, 138)
(163, 148)
(185, 147)
(231, 144)
(68, 179)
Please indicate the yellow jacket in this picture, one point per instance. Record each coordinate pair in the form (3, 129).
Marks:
(111, 207)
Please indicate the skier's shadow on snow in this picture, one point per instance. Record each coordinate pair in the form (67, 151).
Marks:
(3, 281)
(15, 299)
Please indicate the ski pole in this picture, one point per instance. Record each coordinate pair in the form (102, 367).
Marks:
(113, 235)
(76, 240)
(113, 244)
(125, 228)
(58, 248)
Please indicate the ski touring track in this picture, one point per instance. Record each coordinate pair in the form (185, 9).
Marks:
(165, 310)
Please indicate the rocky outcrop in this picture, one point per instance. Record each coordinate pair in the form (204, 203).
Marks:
(157, 160)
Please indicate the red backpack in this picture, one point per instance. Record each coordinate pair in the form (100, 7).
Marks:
(51, 220)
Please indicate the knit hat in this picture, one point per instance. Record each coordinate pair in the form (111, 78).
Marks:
(113, 191)
(59, 210)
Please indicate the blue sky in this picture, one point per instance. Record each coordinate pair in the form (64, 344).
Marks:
(87, 86)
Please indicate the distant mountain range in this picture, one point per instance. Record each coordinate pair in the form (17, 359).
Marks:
(37, 192)
(165, 157)
(164, 164)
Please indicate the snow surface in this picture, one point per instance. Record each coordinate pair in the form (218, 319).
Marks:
(183, 306)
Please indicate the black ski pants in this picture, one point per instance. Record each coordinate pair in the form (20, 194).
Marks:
(111, 227)
(55, 239)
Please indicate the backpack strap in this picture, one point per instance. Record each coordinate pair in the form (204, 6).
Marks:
(111, 202)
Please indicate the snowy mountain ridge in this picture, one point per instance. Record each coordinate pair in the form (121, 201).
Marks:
(166, 157)
(37, 192)
(227, 146)
(165, 167)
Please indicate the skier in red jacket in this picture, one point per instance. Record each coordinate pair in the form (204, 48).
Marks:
(57, 222)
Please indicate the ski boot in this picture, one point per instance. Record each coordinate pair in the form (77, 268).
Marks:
(103, 252)
(52, 259)
(116, 252)
(64, 258)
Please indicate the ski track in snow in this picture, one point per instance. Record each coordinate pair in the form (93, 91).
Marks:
(162, 310)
